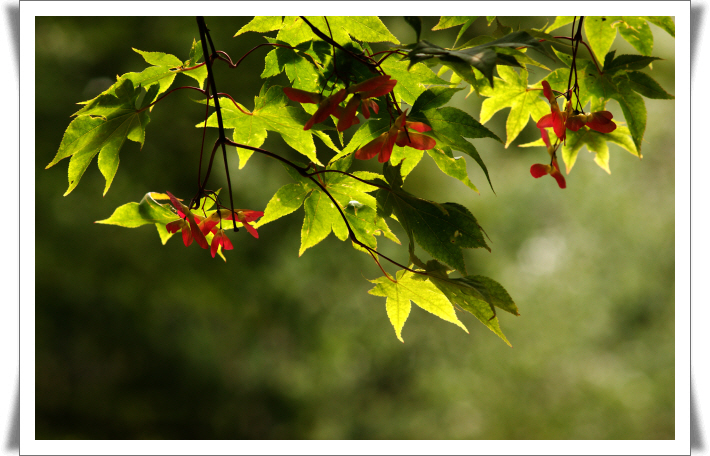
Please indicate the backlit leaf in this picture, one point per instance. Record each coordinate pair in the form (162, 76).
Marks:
(117, 120)
(637, 33)
(133, 215)
(600, 34)
(411, 82)
(422, 292)
(271, 113)
(512, 91)
(261, 24)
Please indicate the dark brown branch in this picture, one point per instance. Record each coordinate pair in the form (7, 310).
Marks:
(204, 33)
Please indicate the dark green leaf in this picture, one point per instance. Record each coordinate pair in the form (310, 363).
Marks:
(647, 86)
(476, 295)
(442, 230)
(634, 110)
(629, 62)
(416, 23)
(433, 97)
(501, 30)
(450, 126)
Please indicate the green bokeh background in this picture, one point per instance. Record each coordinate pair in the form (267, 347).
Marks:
(135, 340)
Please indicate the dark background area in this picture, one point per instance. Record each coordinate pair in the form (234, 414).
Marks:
(135, 340)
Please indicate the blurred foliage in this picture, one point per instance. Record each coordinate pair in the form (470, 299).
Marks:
(135, 340)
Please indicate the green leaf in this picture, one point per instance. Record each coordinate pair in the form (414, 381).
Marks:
(482, 57)
(634, 110)
(261, 24)
(299, 69)
(322, 217)
(501, 30)
(366, 133)
(160, 59)
(450, 121)
(198, 74)
(512, 91)
(596, 143)
(163, 233)
(271, 113)
(564, 58)
(363, 28)
(147, 211)
(294, 31)
(431, 98)
(452, 166)
(87, 136)
(411, 82)
(629, 62)
(423, 293)
(476, 295)
(413, 157)
(560, 21)
(594, 87)
(451, 21)
(517, 58)
(600, 34)
(286, 200)
(645, 85)
(366, 224)
(664, 22)
(637, 33)
(442, 230)
(416, 23)
(450, 126)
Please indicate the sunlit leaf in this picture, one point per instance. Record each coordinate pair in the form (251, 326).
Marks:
(117, 120)
(423, 293)
(261, 24)
(147, 211)
(271, 113)
(512, 91)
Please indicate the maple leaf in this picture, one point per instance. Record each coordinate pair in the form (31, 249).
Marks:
(442, 230)
(321, 214)
(102, 127)
(423, 293)
(512, 92)
(271, 113)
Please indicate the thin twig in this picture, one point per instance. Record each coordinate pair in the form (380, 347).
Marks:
(204, 32)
